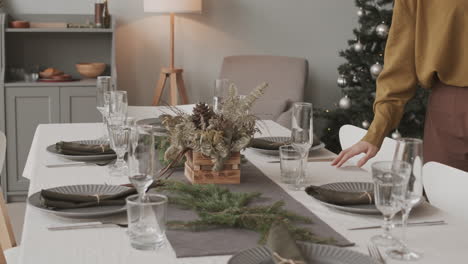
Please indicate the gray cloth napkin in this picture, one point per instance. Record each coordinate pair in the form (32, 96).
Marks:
(262, 143)
(73, 148)
(340, 197)
(283, 246)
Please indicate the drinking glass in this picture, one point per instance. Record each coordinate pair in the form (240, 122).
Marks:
(119, 134)
(290, 162)
(143, 158)
(302, 136)
(390, 182)
(147, 221)
(118, 104)
(221, 91)
(104, 85)
(411, 151)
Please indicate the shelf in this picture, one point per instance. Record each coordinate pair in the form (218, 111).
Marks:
(85, 82)
(60, 30)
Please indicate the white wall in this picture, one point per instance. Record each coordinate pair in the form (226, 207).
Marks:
(314, 29)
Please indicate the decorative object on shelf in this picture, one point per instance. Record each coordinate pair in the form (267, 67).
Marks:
(87, 25)
(376, 69)
(48, 25)
(99, 13)
(365, 124)
(106, 15)
(345, 103)
(358, 47)
(382, 30)
(396, 135)
(19, 24)
(213, 140)
(91, 70)
(173, 74)
(341, 81)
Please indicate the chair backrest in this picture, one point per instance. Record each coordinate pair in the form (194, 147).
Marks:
(7, 237)
(286, 76)
(446, 188)
(350, 135)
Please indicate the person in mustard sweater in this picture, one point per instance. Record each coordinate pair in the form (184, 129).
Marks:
(427, 44)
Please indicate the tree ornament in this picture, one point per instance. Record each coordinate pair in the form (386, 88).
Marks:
(358, 47)
(202, 113)
(365, 124)
(342, 82)
(396, 135)
(355, 79)
(382, 30)
(376, 69)
(361, 12)
(345, 103)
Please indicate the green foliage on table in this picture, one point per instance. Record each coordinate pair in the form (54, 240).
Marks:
(218, 207)
(215, 135)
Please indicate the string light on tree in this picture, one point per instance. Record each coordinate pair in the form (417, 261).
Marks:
(355, 79)
(360, 12)
(382, 30)
(342, 82)
(396, 135)
(365, 124)
(376, 69)
(345, 103)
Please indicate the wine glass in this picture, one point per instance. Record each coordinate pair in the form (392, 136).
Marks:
(104, 84)
(119, 135)
(118, 104)
(302, 136)
(411, 151)
(221, 91)
(143, 160)
(390, 182)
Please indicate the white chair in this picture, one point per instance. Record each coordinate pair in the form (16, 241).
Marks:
(9, 251)
(446, 188)
(350, 135)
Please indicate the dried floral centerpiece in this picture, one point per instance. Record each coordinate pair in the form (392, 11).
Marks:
(212, 141)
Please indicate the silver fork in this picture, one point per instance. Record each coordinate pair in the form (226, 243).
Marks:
(374, 252)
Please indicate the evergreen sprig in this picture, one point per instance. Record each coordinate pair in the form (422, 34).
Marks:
(218, 207)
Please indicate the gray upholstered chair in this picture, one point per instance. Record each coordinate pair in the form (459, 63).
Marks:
(286, 76)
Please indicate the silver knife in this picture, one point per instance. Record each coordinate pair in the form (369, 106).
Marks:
(89, 225)
(426, 223)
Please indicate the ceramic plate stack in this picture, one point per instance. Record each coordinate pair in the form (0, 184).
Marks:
(314, 253)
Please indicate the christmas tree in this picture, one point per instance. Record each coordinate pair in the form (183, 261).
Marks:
(357, 78)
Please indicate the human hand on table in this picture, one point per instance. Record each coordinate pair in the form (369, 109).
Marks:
(358, 148)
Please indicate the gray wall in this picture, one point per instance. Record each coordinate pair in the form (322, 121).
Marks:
(314, 29)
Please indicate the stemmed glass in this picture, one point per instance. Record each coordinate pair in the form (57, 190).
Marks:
(390, 182)
(119, 135)
(302, 137)
(143, 158)
(221, 91)
(118, 104)
(411, 151)
(104, 85)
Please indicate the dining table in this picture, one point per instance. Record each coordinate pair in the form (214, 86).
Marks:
(439, 244)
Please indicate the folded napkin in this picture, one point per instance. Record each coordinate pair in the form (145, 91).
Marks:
(283, 245)
(340, 197)
(73, 148)
(262, 143)
(58, 201)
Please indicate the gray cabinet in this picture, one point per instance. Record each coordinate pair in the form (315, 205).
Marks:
(78, 105)
(25, 109)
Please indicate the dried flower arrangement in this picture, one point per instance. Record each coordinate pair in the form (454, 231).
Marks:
(215, 135)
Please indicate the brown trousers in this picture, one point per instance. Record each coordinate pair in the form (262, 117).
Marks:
(446, 129)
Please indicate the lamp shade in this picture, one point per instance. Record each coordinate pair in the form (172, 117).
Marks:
(173, 6)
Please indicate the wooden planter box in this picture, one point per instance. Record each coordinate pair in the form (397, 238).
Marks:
(199, 169)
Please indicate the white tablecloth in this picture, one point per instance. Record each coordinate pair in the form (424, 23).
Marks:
(440, 244)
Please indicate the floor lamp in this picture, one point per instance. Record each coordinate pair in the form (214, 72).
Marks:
(176, 82)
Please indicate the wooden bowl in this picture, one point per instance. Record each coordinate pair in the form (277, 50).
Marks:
(19, 24)
(91, 70)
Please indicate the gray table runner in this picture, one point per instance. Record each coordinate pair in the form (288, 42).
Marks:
(229, 241)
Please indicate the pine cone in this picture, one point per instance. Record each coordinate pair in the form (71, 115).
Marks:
(202, 113)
